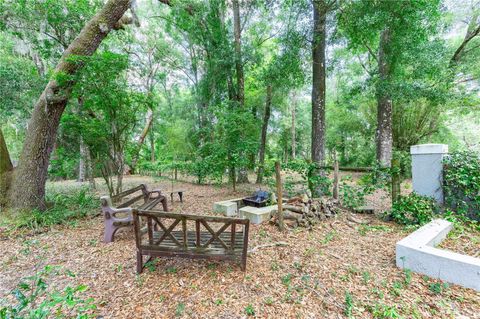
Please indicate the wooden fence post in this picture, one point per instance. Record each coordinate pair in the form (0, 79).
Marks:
(281, 225)
(335, 176)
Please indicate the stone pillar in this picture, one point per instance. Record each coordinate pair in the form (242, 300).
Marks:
(427, 169)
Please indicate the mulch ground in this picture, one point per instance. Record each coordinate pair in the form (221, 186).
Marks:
(463, 240)
(334, 269)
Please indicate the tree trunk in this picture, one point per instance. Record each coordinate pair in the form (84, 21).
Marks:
(28, 185)
(384, 102)
(278, 176)
(6, 169)
(238, 54)
(243, 176)
(119, 165)
(240, 94)
(318, 88)
(263, 138)
(294, 133)
(90, 169)
(318, 82)
(232, 174)
(83, 153)
(152, 144)
(82, 164)
(141, 140)
(396, 180)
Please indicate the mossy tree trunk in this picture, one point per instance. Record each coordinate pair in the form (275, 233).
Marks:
(384, 134)
(6, 169)
(28, 183)
(318, 81)
(318, 87)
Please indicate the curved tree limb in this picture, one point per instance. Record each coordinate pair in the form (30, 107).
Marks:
(28, 184)
(472, 32)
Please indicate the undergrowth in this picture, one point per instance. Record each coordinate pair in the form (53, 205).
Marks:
(63, 208)
(34, 298)
(461, 184)
(413, 209)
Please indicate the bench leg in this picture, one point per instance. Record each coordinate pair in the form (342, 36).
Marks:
(109, 233)
(243, 264)
(171, 198)
(164, 204)
(139, 263)
(180, 194)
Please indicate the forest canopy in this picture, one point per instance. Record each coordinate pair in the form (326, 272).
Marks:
(219, 88)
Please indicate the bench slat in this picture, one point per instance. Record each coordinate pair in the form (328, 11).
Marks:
(192, 251)
(119, 196)
(191, 239)
(216, 219)
(151, 203)
(131, 201)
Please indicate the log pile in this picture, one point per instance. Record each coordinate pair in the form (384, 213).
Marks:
(306, 212)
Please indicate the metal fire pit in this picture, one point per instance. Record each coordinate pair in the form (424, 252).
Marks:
(259, 199)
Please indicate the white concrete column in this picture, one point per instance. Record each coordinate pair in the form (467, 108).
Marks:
(427, 169)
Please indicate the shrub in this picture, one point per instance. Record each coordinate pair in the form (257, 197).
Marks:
(318, 182)
(34, 299)
(297, 165)
(63, 208)
(352, 196)
(413, 209)
(461, 180)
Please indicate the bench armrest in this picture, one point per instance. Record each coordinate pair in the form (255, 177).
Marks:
(114, 211)
(157, 191)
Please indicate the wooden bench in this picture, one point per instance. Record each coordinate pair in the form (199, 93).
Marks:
(118, 214)
(167, 234)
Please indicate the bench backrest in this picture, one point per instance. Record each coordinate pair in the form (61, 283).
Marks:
(233, 225)
(116, 200)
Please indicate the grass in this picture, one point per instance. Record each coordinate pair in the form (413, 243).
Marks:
(364, 229)
(249, 310)
(348, 310)
(64, 207)
(180, 309)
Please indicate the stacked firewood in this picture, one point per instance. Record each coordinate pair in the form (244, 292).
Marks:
(306, 212)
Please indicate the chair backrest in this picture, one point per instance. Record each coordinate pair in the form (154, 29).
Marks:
(200, 240)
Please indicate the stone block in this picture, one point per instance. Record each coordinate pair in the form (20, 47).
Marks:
(228, 208)
(257, 215)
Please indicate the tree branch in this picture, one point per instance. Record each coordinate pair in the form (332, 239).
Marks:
(473, 30)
